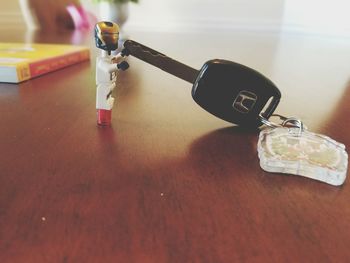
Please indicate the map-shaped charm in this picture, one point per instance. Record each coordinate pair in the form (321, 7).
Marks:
(291, 150)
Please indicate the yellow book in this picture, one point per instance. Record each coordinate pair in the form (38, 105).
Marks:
(20, 62)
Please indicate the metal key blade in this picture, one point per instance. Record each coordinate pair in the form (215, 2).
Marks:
(161, 61)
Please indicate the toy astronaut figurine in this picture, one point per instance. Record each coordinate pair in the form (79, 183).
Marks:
(106, 38)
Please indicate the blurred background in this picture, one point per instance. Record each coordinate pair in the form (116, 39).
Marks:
(319, 17)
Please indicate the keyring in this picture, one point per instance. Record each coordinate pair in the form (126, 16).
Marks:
(286, 122)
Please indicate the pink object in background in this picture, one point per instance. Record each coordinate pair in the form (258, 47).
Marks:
(81, 18)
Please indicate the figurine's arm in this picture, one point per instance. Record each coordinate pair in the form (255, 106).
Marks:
(107, 67)
(119, 60)
(112, 67)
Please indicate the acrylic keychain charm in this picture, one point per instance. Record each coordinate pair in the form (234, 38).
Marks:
(289, 148)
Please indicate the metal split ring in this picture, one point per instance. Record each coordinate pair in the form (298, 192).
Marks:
(286, 122)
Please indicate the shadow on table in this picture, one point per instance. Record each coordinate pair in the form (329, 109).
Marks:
(223, 154)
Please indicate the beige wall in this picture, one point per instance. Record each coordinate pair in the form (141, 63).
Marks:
(9, 6)
(208, 14)
(325, 17)
(10, 13)
(330, 16)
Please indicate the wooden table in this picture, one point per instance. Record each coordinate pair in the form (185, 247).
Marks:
(168, 182)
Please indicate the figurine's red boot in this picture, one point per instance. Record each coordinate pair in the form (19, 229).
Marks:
(104, 117)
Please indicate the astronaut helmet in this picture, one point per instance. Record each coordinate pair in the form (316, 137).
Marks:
(107, 35)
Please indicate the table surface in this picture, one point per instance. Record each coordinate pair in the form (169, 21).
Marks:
(168, 182)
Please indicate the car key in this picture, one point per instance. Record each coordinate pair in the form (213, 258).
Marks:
(228, 90)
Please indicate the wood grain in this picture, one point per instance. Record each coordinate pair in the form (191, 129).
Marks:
(167, 182)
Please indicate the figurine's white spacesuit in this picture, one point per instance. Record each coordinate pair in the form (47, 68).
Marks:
(106, 37)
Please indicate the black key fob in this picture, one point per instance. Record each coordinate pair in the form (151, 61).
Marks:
(235, 93)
